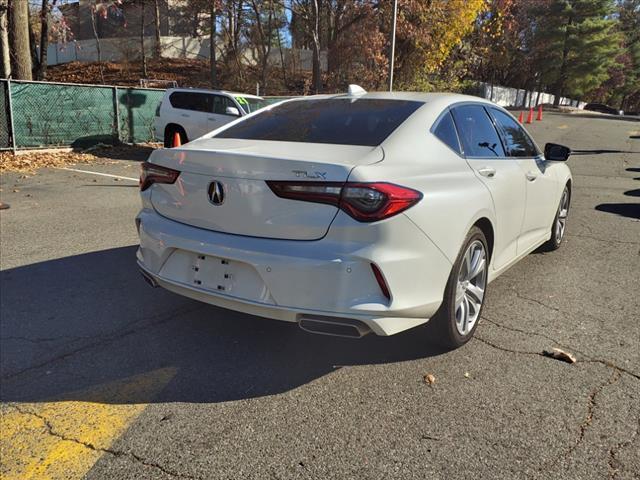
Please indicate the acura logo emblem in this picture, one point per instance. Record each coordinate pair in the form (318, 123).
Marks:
(216, 193)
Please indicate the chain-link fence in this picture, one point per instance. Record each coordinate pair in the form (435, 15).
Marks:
(5, 124)
(46, 114)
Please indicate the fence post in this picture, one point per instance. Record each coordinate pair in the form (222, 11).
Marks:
(12, 133)
(116, 108)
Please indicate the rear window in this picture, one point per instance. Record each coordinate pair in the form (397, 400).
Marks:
(342, 121)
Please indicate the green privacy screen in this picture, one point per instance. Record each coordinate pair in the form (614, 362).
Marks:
(137, 109)
(46, 114)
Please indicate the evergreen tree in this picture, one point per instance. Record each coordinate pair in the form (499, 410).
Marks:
(582, 45)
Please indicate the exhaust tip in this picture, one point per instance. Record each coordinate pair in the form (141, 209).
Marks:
(335, 327)
(149, 279)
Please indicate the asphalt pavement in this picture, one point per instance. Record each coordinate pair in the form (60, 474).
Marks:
(103, 377)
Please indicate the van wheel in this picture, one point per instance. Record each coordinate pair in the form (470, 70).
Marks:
(170, 132)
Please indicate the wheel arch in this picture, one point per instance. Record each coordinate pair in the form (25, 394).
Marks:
(174, 126)
(486, 226)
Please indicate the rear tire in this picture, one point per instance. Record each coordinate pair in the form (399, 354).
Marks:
(169, 134)
(457, 319)
(559, 226)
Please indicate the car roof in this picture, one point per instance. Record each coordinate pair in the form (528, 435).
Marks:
(207, 90)
(434, 102)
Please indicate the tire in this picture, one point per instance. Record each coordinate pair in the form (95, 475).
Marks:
(457, 319)
(559, 226)
(170, 132)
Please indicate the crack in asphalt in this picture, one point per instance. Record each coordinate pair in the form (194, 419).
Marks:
(586, 423)
(106, 339)
(116, 453)
(613, 451)
(588, 358)
(623, 242)
(617, 371)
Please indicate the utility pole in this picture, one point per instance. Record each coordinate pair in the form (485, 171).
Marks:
(392, 50)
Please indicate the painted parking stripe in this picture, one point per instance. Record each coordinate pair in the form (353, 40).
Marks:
(64, 437)
(99, 173)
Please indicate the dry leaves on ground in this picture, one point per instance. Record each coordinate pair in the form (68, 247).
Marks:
(30, 161)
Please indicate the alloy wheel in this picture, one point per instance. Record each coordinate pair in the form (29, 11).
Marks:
(472, 282)
(563, 212)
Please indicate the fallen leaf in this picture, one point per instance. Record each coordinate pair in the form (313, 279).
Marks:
(429, 379)
(466, 375)
(559, 354)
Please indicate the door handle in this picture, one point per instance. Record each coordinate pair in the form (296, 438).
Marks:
(487, 172)
(213, 119)
(531, 176)
(185, 115)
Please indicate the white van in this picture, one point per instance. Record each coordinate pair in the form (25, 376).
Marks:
(193, 112)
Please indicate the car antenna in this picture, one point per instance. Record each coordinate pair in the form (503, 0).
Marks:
(355, 90)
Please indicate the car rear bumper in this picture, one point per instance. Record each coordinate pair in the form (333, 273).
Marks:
(288, 280)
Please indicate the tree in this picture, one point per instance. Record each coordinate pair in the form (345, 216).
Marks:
(45, 12)
(428, 33)
(308, 13)
(19, 39)
(94, 14)
(582, 45)
(143, 54)
(157, 49)
(4, 40)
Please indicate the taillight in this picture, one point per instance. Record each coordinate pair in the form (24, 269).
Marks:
(152, 173)
(366, 202)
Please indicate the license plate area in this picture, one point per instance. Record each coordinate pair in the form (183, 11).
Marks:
(213, 273)
(216, 275)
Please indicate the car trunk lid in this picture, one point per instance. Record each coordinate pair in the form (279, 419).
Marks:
(222, 185)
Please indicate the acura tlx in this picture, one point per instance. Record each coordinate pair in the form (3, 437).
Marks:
(353, 213)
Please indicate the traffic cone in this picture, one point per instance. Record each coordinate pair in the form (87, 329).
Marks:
(530, 116)
(521, 117)
(539, 117)
(176, 139)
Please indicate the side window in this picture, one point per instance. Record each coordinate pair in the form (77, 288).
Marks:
(477, 133)
(198, 102)
(446, 132)
(517, 141)
(221, 103)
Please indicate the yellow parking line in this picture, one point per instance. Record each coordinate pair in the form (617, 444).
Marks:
(64, 437)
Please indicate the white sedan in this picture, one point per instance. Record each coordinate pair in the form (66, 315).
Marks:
(353, 213)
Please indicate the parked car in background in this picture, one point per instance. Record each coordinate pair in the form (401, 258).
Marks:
(602, 108)
(353, 213)
(193, 112)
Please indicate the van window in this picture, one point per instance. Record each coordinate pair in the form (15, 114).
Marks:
(199, 102)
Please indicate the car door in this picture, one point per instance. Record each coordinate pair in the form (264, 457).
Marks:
(501, 175)
(219, 115)
(541, 182)
(191, 112)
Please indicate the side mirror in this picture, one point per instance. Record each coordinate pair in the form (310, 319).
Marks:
(556, 153)
(232, 111)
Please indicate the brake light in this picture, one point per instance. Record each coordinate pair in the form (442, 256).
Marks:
(365, 202)
(152, 173)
